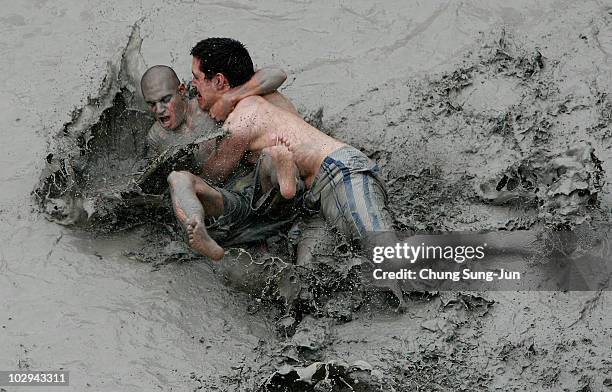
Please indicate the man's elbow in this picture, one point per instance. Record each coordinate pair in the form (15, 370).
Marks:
(273, 79)
(282, 75)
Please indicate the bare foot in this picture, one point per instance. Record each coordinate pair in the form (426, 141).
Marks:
(282, 159)
(201, 242)
(277, 139)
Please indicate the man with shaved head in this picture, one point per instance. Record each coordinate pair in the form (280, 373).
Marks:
(179, 120)
(247, 212)
(176, 117)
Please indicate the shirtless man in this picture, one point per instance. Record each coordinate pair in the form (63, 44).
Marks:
(220, 64)
(180, 120)
(343, 182)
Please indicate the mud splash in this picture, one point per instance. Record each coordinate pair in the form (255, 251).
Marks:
(495, 129)
(466, 153)
(325, 376)
(561, 187)
(97, 151)
(100, 174)
(491, 144)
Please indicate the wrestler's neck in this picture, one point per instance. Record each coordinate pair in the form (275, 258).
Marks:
(183, 128)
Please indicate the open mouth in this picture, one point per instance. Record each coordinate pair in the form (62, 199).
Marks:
(164, 120)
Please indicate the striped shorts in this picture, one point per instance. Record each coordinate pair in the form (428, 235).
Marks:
(350, 195)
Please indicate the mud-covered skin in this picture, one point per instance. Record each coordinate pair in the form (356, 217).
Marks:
(195, 124)
(256, 124)
(193, 200)
(284, 169)
(165, 97)
(181, 119)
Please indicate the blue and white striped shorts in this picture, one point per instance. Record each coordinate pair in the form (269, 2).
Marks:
(350, 195)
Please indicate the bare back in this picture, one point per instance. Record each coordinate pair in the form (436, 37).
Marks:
(256, 124)
(270, 123)
(266, 124)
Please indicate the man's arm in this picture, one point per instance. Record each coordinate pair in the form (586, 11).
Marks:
(226, 157)
(265, 81)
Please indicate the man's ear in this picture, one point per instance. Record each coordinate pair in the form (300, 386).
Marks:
(220, 82)
(182, 88)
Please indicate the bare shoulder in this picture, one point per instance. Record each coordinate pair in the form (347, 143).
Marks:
(202, 121)
(279, 100)
(249, 103)
(246, 110)
(156, 133)
(243, 123)
(155, 137)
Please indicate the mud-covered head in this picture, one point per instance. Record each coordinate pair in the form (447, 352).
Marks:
(165, 95)
(219, 64)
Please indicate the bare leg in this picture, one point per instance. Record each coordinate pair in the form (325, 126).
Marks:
(192, 197)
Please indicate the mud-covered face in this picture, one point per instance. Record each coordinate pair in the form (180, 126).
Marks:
(166, 102)
(207, 93)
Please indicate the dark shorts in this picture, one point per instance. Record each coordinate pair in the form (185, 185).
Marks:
(248, 214)
(350, 195)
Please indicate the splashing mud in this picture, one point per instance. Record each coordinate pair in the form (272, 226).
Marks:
(496, 129)
(96, 152)
(101, 174)
(562, 187)
(496, 142)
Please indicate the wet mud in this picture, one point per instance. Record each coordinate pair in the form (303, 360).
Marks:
(496, 131)
(531, 169)
(100, 173)
(513, 134)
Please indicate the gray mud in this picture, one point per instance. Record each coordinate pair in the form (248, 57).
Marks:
(476, 127)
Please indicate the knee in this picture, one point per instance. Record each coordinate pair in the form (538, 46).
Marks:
(178, 177)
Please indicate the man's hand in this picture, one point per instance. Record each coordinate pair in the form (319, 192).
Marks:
(264, 81)
(223, 107)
